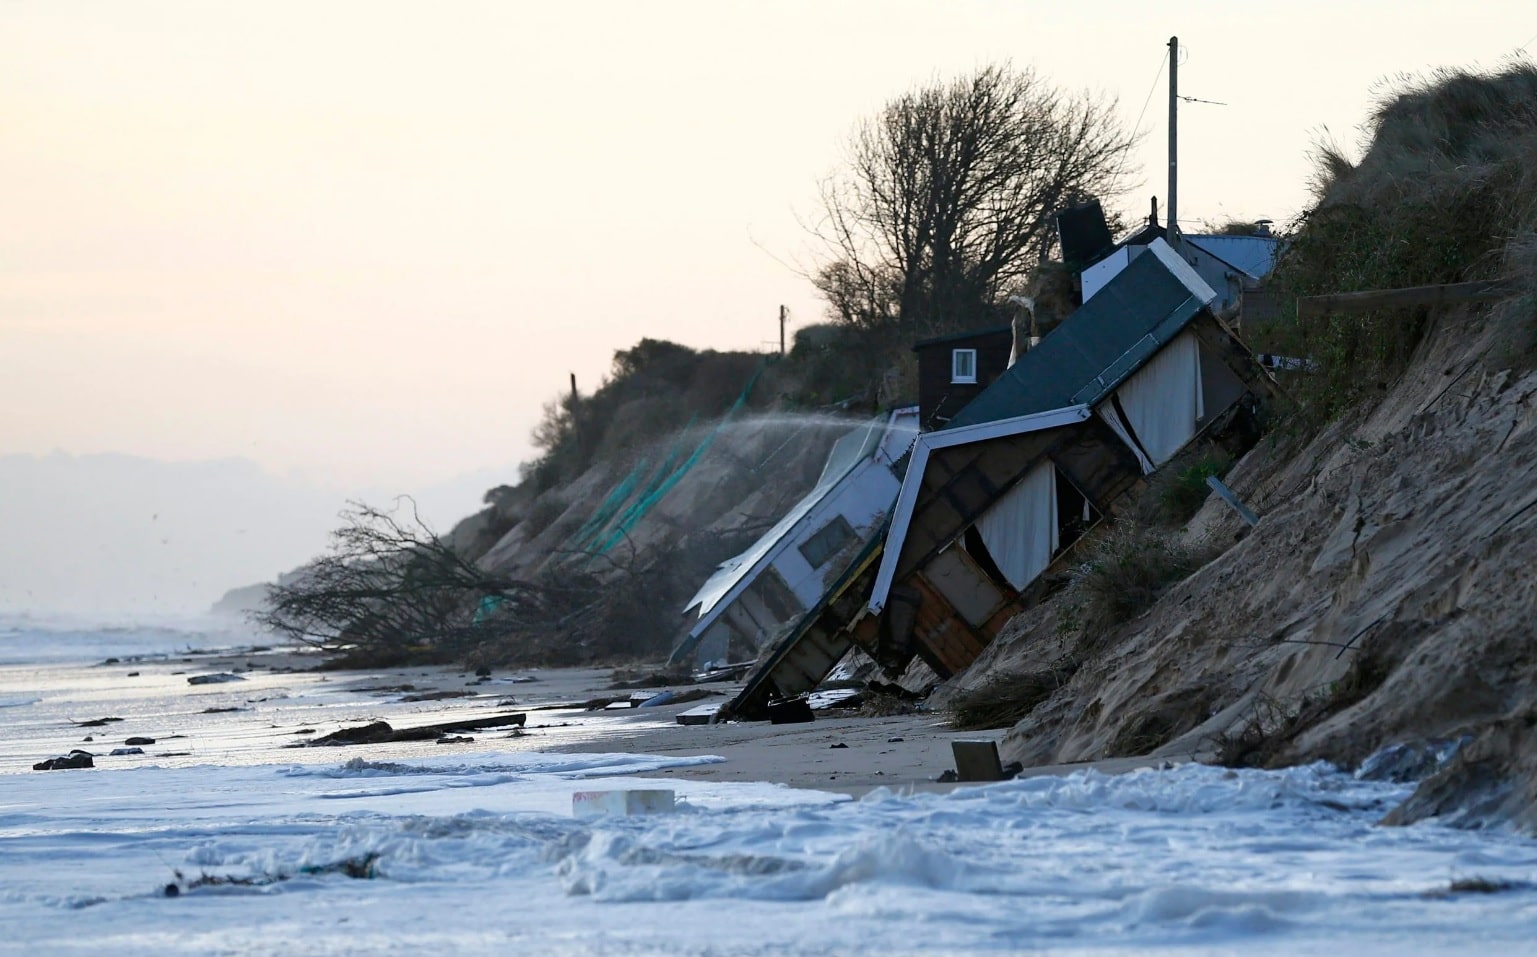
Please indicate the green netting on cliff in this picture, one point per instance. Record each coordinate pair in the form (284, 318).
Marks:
(609, 532)
(609, 506)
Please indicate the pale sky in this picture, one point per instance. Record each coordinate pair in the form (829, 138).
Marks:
(363, 242)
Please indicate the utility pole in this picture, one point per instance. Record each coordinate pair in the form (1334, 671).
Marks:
(1173, 135)
(573, 389)
(783, 314)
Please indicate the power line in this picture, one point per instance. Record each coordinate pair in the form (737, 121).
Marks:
(1137, 127)
(1151, 88)
(1192, 99)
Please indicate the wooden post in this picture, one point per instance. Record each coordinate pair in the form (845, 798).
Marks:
(783, 312)
(1173, 136)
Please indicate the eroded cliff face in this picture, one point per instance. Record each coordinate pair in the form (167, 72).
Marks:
(1386, 596)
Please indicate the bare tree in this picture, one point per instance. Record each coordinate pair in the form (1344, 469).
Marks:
(390, 589)
(949, 191)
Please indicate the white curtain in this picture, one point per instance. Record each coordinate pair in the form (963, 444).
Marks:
(1020, 530)
(1163, 399)
(1109, 416)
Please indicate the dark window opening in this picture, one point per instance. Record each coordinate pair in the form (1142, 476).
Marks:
(1075, 514)
(828, 540)
(972, 542)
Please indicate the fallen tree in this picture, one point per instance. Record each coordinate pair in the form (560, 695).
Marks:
(391, 590)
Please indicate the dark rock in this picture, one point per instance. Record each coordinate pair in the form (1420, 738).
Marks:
(221, 710)
(483, 672)
(840, 744)
(895, 740)
(171, 890)
(375, 733)
(140, 741)
(112, 661)
(88, 738)
(305, 731)
(215, 679)
(133, 674)
(1403, 763)
(456, 739)
(75, 759)
(947, 776)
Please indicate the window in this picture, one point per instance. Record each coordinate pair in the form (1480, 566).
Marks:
(827, 541)
(963, 365)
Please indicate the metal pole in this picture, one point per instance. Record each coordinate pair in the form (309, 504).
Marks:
(1173, 135)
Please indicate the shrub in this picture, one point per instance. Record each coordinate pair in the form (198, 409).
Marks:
(1447, 181)
(1175, 492)
(1003, 700)
(1128, 568)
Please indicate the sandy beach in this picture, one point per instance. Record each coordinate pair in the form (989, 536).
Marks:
(281, 698)
(221, 831)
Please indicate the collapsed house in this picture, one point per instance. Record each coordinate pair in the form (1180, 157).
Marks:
(753, 598)
(997, 499)
(1235, 266)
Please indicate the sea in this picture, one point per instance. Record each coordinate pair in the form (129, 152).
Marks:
(221, 838)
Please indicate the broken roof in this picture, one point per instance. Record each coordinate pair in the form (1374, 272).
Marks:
(1104, 341)
(859, 445)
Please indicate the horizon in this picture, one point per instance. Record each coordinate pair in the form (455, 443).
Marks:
(361, 245)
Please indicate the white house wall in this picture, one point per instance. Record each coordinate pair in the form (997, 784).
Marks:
(1097, 276)
(863, 498)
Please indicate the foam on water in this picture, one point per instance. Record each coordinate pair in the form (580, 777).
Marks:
(478, 853)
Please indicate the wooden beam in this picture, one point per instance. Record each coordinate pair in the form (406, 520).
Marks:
(1485, 290)
(1225, 346)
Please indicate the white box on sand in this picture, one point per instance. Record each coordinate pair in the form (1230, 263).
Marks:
(621, 803)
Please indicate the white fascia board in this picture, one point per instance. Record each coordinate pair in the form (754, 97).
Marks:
(793, 535)
(1183, 271)
(912, 483)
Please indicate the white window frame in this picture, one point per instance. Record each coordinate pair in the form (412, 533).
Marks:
(957, 375)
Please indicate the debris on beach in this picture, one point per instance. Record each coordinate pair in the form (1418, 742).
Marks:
(436, 696)
(96, 722)
(223, 677)
(75, 759)
(628, 680)
(381, 732)
(362, 868)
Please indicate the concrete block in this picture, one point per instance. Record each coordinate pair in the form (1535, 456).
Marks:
(977, 761)
(628, 803)
(703, 714)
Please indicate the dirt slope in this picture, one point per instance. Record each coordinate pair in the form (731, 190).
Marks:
(1386, 596)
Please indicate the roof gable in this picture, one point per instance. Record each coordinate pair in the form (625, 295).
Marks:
(1100, 344)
